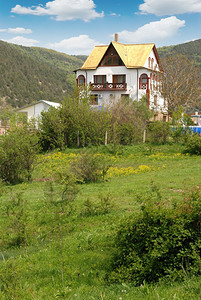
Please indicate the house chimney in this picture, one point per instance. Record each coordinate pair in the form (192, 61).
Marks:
(116, 37)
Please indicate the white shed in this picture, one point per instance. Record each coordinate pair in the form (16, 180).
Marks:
(33, 111)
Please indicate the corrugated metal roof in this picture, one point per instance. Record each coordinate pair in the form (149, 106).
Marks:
(132, 55)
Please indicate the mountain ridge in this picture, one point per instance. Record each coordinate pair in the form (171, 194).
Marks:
(191, 49)
(29, 74)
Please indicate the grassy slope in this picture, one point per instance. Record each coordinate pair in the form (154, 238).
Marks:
(88, 239)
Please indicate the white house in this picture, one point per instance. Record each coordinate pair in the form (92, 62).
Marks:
(129, 70)
(33, 111)
(196, 119)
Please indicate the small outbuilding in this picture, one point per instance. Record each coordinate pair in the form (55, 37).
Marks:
(33, 111)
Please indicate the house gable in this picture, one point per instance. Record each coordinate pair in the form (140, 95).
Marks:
(111, 57)
(132, 55)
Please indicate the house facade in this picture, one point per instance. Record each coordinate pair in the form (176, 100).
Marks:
(196, 119)
(33, 111)
(124, 70)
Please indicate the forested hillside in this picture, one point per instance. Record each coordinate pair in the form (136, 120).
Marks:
(28, 74)
(191, 49)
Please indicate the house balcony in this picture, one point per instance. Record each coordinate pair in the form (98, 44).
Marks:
(109, 86)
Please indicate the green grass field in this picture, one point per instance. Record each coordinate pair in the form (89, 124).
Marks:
(30, 238)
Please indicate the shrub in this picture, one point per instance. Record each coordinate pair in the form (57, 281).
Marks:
(17, 152)
(129, 119)
(193, 145)
(88, 167)
(125, 133)
(180, 134)
(16, 210)
(75, 123)
(159, 242)
(103, 207)
(158, 132)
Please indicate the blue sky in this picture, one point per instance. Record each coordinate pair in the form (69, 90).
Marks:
(76, 26)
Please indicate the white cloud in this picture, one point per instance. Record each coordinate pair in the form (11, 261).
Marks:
(114, 14)
(75, 45)
(154, 31)
(20, 40)
(170, 7)
(17, 30)
(63, 10)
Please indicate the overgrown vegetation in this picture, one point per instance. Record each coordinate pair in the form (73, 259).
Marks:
(30, 74)
(163, 240)
(17, 152)
(77, 124)
(57, 232)
(158, 132)
(57, 237)
(193, 145)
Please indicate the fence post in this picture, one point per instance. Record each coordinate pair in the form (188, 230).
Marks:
(106, 138)
(144, 136)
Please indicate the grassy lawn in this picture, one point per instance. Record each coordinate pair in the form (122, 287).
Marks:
(33, 269)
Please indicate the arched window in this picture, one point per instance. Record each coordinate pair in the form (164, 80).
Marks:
(81, 80)
(149, 62)
(152, 63)
(144, 82)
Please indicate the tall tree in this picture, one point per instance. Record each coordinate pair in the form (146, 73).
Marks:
(181, 83)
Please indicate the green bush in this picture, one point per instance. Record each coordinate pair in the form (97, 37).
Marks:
(180, 134)
(102, 207)
(73, 124)
(158, 132)
(159, 242)
(90, 167)
(125, 133)
(193, 145)
(18, 150)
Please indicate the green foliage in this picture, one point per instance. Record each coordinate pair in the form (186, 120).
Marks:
(180, 134)
(29, 74)
(17, 152)
(158, 132)
(10, 281)
(74, 124)
(77, 124)
(80, 244)
(16, 235)
(129, 119)
(102, 207)
(159, 242)
(180, 118)
(51, 134)
(190, 49)
(60, 208)
(193, 144)
(90, 167)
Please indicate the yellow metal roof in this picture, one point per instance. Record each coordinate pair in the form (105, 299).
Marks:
(132, 55)
(94, 58)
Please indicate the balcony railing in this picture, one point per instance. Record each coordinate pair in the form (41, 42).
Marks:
(109, 86)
